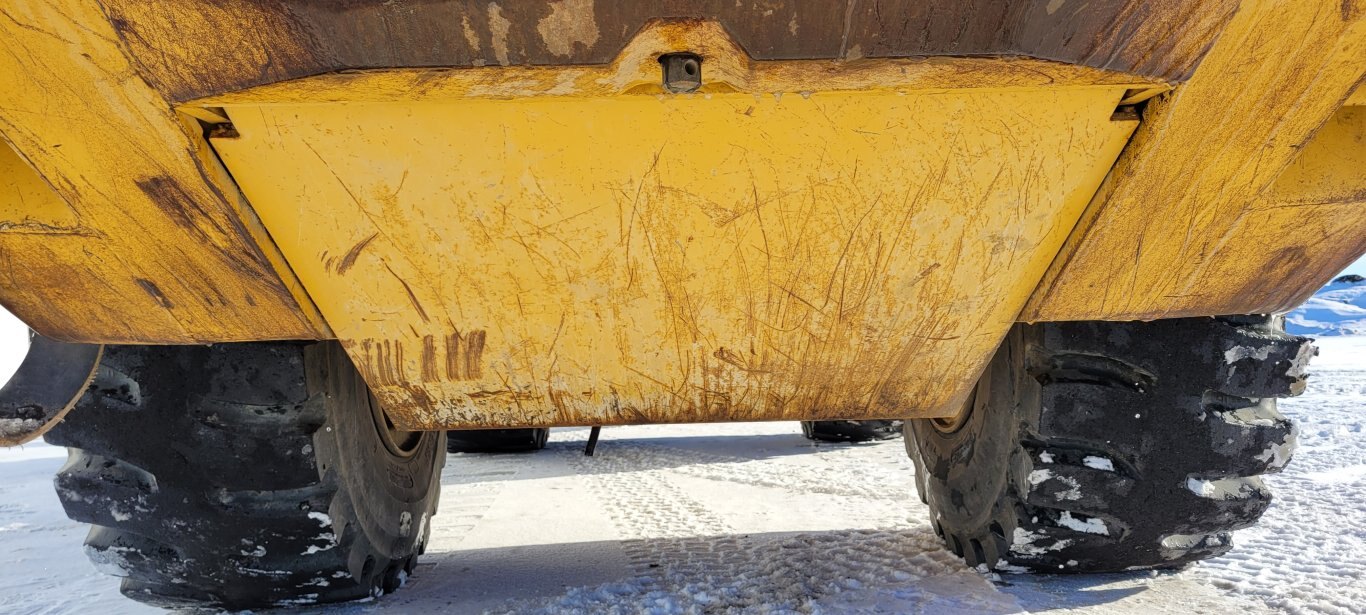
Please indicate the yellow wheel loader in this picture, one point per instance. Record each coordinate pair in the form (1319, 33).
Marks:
(275, 249)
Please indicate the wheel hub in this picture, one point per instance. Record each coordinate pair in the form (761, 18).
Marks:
(399, 442)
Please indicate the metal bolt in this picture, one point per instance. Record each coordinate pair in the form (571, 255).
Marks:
(682, 72)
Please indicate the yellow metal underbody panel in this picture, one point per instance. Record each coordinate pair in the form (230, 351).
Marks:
(27, 203)
(663, 258)
(1243, 192)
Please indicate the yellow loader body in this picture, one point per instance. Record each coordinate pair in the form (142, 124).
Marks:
(554, 234)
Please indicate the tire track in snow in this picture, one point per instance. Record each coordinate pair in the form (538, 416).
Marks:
(666, 533)
(872, 479)
(470, 484)
(688, 559)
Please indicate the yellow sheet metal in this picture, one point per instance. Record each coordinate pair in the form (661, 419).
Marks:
(27, 203)
(1244, 190)
(644, 257)
(114, 224)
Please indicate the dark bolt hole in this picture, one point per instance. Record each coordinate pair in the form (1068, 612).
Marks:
(682, 71)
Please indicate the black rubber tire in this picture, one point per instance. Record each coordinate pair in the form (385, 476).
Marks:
(497, 440)
(1103, 447)
(851, 431)
(243, 476)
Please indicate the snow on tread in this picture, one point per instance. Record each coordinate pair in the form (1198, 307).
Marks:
(1098, 446)
(198, 500)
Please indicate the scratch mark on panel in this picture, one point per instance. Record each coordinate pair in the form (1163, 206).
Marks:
(429, 373)
(154, 292)
(349, 259)
(411, 297)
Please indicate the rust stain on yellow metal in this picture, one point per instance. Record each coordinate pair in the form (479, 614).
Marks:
(1243, 190)
(152, 249)
(725, 67)
(619, 255)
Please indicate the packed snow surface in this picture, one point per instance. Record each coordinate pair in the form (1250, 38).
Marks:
(751, 518)
(1338, 309)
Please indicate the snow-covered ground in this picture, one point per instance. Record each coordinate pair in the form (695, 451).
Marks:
(1337, 309)
(753, 518)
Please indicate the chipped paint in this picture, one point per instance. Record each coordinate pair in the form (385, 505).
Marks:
(498, 30)
(570, 23)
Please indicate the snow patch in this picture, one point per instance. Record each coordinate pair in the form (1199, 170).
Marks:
(1277, 456)
(329, 540)
(110, 561)
(1025, 542)
(1005, 566)
(1177, 545)
(1099, 463)
(1239, 353)
(258, 571)
(14, 428)
(1089, 526)
(303, 600)
(1223, 488)
(1074, 489)
(1251, 415)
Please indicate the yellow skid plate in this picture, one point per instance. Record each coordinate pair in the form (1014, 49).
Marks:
(585, 256)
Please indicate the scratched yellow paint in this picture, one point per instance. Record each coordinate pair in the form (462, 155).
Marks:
(114, 225)
(1331, 167)
(1243, 191)
(27, 203)
(692, 258)
(550, 259)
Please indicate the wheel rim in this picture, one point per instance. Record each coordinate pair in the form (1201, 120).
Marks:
(951, 424)
(399, 442)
